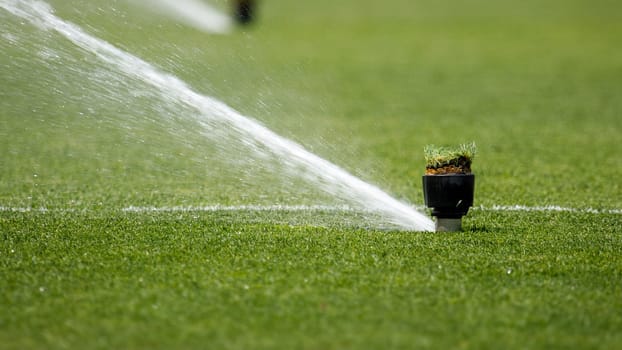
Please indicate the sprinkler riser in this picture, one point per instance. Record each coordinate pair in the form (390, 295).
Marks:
(450, 196)
(448, 225)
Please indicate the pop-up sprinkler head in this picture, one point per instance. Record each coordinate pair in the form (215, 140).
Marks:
(449, 196)
(449, 185)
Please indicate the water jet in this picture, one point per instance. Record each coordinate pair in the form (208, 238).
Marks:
(195, 13)
(214, 119)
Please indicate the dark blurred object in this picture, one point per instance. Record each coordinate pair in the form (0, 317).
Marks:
(245, 11)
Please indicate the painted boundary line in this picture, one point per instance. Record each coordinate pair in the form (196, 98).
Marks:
(501, 208)
(218, 207)
(548, 208)
(299, 208)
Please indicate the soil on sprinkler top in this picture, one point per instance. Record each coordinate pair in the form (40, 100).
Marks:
(442, 160)
(461, 166)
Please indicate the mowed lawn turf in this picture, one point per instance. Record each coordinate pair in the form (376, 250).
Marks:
(366, 84)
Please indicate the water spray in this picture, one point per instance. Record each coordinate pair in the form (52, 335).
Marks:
(195, 13)
(217, 119)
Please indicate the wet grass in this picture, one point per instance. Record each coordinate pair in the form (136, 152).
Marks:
(365, 84)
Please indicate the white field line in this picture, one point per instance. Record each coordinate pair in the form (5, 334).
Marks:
(217, 207)
(547, 208)
(300, 208)
(39, 210)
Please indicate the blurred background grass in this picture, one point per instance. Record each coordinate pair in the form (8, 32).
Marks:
(365, 84)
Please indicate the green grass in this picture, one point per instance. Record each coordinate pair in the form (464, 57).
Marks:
(439, 156)
(196, 280)
(365, 84)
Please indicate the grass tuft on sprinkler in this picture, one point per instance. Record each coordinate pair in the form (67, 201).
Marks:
(449, 184)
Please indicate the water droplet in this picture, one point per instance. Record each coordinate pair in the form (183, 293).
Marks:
(509, 271)
(329, 178)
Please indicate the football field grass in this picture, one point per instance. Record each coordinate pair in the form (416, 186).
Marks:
(125, 225)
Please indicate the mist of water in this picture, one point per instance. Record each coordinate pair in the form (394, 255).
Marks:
(216, 117)
(195, 13)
